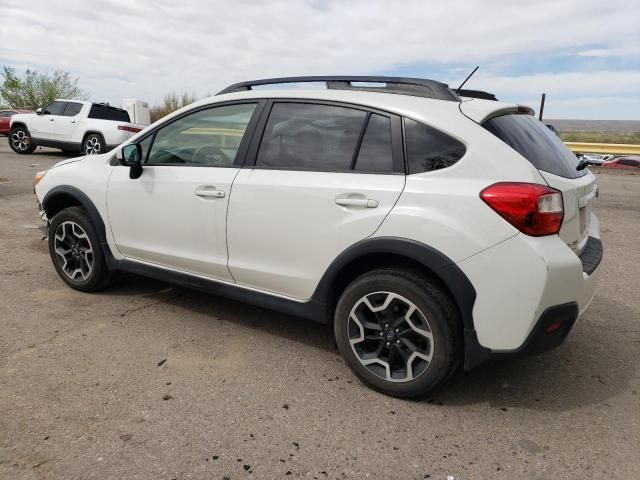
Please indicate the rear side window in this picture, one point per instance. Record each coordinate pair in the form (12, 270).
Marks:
(429, 149)
(73, 108)
(104, 112)
(376, 155)
(535, 142)
(6, 114)
(310, 137)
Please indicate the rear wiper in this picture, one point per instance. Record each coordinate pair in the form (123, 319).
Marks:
(582, 164)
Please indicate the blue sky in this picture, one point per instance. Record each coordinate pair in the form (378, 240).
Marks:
(585, 54)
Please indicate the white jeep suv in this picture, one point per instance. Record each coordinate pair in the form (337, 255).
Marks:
(430, 230)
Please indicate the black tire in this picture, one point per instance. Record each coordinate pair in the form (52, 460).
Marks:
(20, 140)
(434, 307)
(97, 275)
(93, 144)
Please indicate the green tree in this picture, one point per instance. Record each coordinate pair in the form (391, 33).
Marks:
(35, 89)
(170, 103)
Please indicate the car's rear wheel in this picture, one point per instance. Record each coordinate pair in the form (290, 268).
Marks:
(399, 332)
(76, 252)
(93, 144)
(20, 140)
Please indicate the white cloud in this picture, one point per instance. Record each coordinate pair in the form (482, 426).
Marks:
(143, 49)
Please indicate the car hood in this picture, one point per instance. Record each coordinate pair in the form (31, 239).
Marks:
(65, 162)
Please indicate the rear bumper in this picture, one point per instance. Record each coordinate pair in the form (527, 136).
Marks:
(525, 284)
(551, 329)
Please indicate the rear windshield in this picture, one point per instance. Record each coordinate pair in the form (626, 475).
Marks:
(535, 142)
(103, 112)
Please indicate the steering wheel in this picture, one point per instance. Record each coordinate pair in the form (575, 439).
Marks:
(210, 155)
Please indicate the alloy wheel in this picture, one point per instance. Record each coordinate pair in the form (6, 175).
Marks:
(390, 336)
(73, 251)
(92, 145)
(20, 140)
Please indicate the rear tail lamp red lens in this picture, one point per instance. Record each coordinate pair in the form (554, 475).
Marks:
(127, 128)
(536, 210)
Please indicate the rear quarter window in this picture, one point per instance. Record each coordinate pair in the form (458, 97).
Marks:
(535, 142)
(104, 112)
(429, 149)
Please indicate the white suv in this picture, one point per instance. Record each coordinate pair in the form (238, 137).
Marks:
(430, 230)
(73, 126)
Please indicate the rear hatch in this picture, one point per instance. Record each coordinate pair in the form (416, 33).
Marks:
(557, 165)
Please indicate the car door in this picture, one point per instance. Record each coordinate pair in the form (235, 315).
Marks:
(67, 125)
(46, 125)
(324, 176)
(174, 214)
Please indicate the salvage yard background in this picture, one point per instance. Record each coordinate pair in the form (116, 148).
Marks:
(146, 380)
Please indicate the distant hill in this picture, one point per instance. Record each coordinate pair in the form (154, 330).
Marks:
(619, 126)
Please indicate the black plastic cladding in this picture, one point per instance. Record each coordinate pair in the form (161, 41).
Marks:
(418, 87)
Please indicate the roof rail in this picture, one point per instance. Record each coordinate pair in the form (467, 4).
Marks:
(477, 94)
(418, 87)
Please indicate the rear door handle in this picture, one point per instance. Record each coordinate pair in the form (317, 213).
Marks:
(357, 202)
(51, 119)
(210, 192)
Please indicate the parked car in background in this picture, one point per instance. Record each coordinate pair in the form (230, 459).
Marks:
(430, 232)
(594, 158)
(72, 126)
(5, 119)
(628, 162)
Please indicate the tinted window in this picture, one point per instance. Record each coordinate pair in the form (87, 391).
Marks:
(310, 137)
(375, 153)
(55, 108)
(429, 149)
(208, 138)
(6, 114)
(104, 112)
(73, 108)
(535, 142)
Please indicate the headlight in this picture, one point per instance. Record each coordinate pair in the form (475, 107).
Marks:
(39, 176)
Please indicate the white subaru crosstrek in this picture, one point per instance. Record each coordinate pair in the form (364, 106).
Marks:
(431, 230)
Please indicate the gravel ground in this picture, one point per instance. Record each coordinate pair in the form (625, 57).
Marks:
(147, 380)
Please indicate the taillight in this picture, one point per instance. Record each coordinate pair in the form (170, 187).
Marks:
(533, 209)
(127, 128)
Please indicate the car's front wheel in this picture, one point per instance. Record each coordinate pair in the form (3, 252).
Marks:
(75, 251)
(93, 144)
(20, 140)
(399, 332)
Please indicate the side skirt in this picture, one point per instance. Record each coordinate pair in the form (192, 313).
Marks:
(312, 310)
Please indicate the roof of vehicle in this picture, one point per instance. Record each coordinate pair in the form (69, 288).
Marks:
(404, 96)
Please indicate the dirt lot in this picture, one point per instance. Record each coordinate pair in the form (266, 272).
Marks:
(247, 393)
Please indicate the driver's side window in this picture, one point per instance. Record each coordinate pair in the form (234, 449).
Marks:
(208, 138)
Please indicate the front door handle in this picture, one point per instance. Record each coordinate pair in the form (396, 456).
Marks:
(209, 193)
(357, 202)
(51, 119)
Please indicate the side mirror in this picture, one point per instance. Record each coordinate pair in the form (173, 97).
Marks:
(39, 111)
(131, 156)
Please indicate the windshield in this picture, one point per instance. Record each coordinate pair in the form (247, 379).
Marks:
(535, 142)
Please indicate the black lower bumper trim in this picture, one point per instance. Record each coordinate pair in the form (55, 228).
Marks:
(551, 329)
(591, 256)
